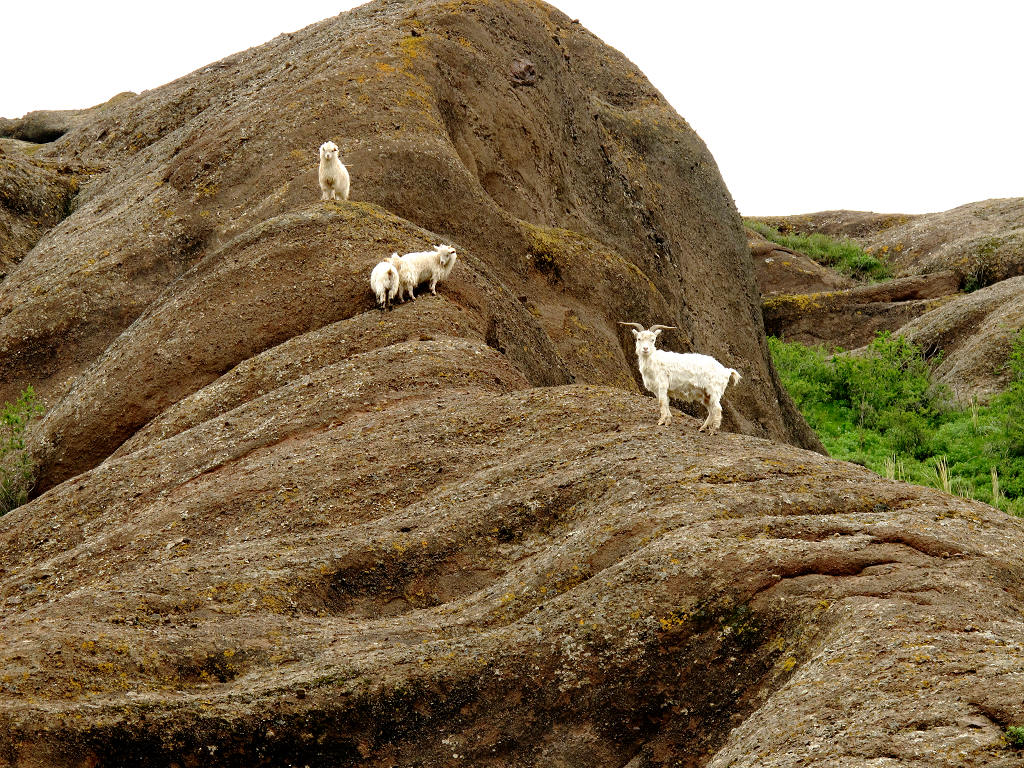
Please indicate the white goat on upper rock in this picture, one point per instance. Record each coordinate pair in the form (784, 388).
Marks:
(691, 376)
(334, 178)
(418, 267)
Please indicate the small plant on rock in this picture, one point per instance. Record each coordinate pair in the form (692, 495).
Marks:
(17, 468)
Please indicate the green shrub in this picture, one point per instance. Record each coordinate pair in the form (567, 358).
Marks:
(1015, 736)
(891, 377)
(878, 408)
(1013, 424)
(17, 468)
(844, 256)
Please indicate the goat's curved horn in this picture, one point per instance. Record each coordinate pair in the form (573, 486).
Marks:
(633, 325)
(662, 328)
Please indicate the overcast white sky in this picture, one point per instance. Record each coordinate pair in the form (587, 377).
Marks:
(893, 106)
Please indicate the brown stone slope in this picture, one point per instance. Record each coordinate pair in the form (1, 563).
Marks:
(576, 201)
(408, 557)
(783, 271)
(293, 530)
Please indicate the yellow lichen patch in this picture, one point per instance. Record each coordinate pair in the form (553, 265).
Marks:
(411, 47)
(206, 190)
(798, 302)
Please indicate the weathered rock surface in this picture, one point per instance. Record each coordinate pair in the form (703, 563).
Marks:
(975, 333)
(283, 528)
(34, 196)
(983, 242)
(851, 318)
(409, 557)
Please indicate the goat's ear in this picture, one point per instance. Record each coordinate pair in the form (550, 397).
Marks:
(636, 333)
(657, 332)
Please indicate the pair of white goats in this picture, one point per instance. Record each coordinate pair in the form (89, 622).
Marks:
(692, 377)
(398, 276)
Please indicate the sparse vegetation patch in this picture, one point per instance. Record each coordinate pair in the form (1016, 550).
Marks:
(844, 256)
(879, 409)
(17, 468)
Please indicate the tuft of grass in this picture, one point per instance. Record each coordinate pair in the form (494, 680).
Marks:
(844, 256)
(17, 468)
(878, 408)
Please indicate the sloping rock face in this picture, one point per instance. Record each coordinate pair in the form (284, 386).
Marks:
(783, 271)
(34, 196)
(283, 528)
(975, 332)
(409, 557)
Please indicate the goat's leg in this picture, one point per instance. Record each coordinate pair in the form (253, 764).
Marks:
(433, 285)
(666, 415)
(715, 417)
(706, 399)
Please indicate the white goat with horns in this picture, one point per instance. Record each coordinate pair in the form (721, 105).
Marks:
(691, 376)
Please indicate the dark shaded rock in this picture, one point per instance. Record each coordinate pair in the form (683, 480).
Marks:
(851, 318)
(47, 125)
(34, 196)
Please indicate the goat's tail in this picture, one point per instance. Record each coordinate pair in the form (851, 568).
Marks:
(734, 376)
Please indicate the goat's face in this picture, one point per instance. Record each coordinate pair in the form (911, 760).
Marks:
(645, 342)
(328, 151)
(447, 254)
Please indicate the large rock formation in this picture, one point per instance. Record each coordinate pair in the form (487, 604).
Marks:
(580, 190)
(783, 271)
(851, 317)
(282, 528)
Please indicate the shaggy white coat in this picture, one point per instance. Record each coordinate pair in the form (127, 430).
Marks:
(690, 377)
(334, 179)
(405, 284)
(421, 266)
(384, 282)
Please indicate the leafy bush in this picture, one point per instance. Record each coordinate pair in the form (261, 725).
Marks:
(17, 468)
(845, 256)
(878, 408)
(1015, 736)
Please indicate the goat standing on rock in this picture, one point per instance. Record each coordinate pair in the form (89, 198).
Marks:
(384, 282)
(334, 179)
(691, 377)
